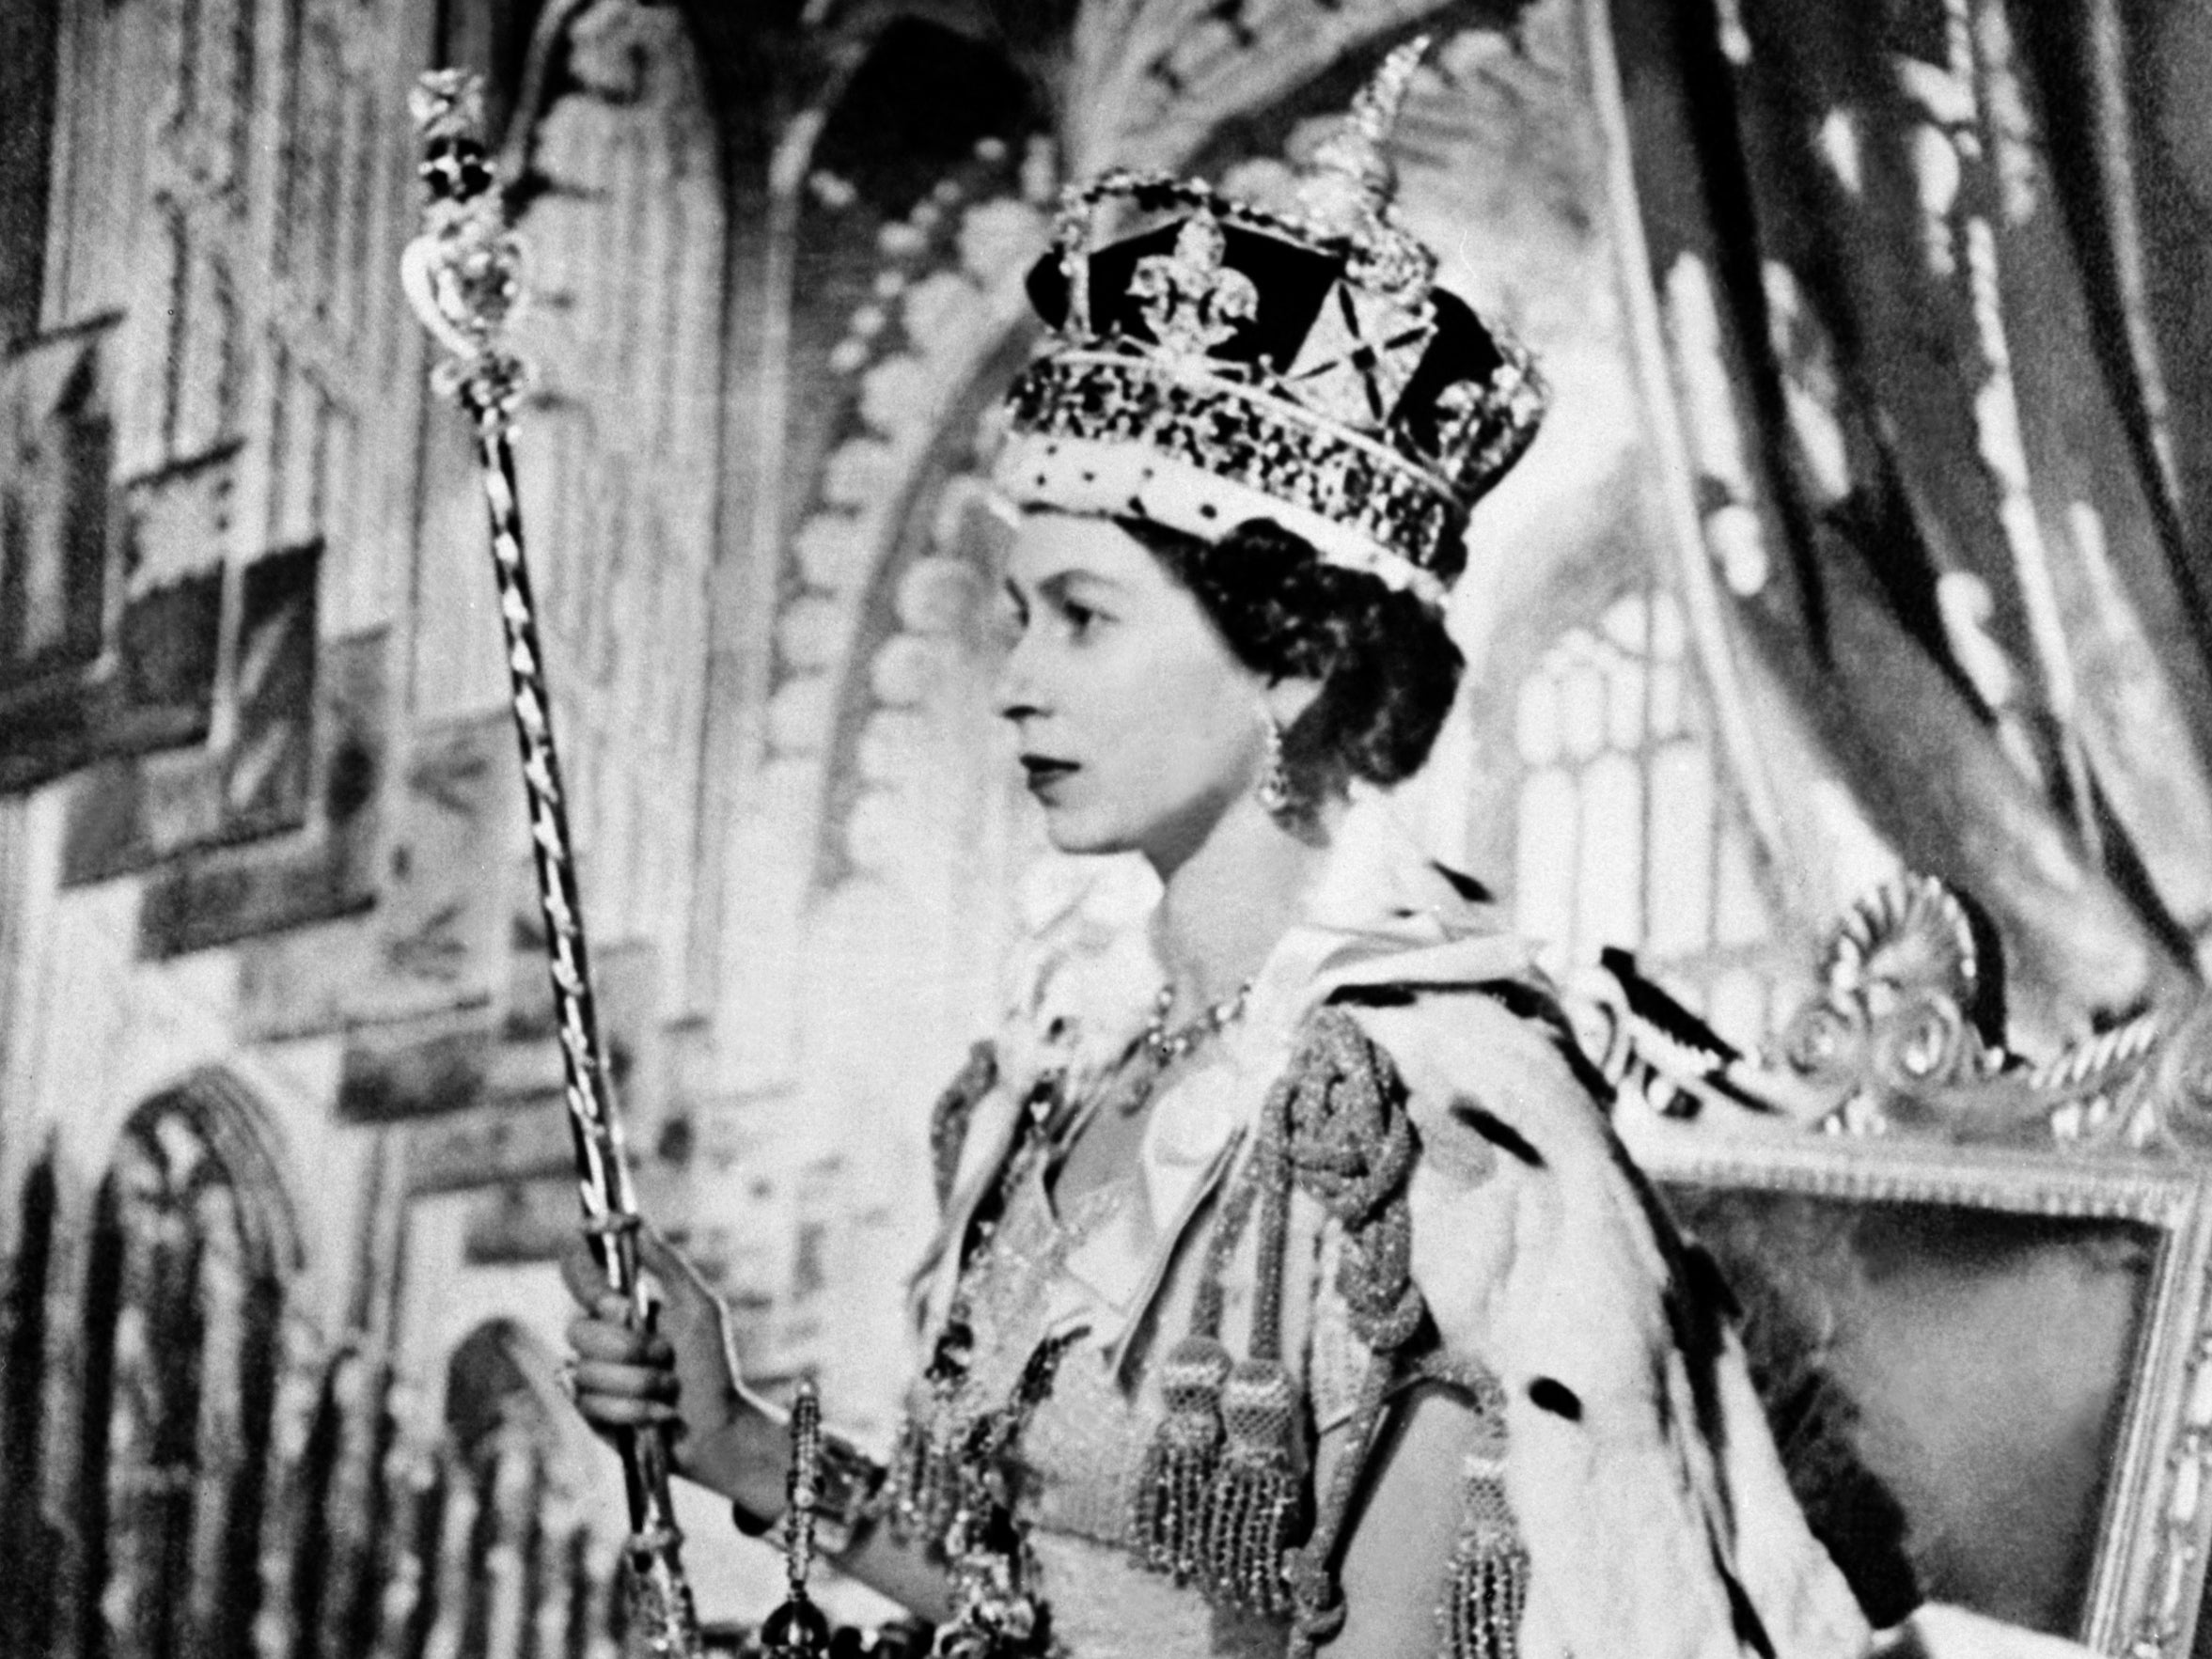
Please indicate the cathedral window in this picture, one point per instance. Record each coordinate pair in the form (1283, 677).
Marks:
(1627, 836)
(184, 1297)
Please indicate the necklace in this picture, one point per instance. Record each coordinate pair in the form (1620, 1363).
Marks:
(1159, 1048)
(1166, 1046)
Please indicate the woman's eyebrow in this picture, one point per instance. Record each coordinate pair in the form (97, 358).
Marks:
(1061, 584)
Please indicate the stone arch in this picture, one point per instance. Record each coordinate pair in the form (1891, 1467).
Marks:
(881, 748)
(913, 293)
(192, 1245)
(620, 444)
(940, 326)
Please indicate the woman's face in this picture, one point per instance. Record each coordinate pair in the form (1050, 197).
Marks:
(1137, 725)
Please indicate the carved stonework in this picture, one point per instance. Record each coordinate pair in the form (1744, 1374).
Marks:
(617, 448)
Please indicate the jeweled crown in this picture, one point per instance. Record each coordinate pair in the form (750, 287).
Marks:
(1216, 360)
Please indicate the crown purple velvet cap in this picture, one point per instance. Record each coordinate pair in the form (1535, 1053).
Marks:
(1217, 361)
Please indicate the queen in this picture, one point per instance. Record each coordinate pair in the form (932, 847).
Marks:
(1292, 1292)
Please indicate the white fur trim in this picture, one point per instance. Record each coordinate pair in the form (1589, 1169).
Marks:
(1114, 476)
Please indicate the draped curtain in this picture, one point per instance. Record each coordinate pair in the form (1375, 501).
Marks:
(1930, 282)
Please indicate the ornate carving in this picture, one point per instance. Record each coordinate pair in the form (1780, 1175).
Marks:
(1903, 1040)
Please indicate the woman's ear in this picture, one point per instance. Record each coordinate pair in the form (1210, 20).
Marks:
(1289, 698)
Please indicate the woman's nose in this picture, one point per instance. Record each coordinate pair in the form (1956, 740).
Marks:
(1017, 694)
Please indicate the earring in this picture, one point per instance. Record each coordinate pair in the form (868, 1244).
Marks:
(1273, 787)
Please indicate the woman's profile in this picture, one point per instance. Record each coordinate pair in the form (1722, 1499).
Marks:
(1292, 1293)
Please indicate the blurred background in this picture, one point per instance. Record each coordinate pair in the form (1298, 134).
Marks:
(1868, 531)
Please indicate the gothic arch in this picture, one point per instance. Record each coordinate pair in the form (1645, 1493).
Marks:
(192, 1246)
(620, 445)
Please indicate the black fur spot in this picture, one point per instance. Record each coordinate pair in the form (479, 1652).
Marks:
(1550, 1394)
(1495, 1130)
(1464, 885)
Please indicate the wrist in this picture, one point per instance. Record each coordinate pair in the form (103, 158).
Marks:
(741, 1457)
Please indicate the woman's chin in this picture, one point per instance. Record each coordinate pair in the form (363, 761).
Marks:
(1077, 833)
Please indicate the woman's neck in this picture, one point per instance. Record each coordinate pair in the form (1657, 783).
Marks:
(1225, 905)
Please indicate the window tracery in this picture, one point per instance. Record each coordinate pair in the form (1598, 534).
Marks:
(184, 1296)
(1626, 835)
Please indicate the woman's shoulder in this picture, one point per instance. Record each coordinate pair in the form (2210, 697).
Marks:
(1524, 1210)
(1492, 1063)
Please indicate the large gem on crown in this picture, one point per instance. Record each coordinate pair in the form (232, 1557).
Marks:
(1359, 355)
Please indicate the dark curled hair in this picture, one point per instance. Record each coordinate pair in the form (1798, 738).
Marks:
(1387, 669)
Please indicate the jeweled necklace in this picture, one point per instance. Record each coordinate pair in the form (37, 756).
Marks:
(1161, 1048)
(1167, 1046)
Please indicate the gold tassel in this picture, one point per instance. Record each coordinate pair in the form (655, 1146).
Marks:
(1252, 1508)
(1170, 1524)
(1489, 1568)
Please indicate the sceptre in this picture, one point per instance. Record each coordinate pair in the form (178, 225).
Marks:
(461, 277)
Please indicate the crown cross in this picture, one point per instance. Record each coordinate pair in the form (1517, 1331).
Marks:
(1190, 300)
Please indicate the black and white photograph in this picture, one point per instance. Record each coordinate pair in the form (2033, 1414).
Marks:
(1105, 829)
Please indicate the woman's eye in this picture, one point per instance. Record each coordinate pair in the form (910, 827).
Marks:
(1080, 619)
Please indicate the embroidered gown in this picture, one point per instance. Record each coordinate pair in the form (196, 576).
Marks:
(1621, 1493)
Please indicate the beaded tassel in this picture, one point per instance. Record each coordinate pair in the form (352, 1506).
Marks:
(1178, 1470)
(1489, 1566)
(1254, 1503)
(1253, 1506)
(1168, 1520)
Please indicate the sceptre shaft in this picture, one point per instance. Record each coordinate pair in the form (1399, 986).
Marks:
(462, 278)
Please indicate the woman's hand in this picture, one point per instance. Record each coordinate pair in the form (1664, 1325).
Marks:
(676, 1371)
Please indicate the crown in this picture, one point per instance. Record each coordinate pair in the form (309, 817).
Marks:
(1216, 360)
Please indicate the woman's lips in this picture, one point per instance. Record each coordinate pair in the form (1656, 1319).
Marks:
(1044, 771)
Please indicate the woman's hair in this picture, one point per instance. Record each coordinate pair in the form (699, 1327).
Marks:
(1387, 669)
